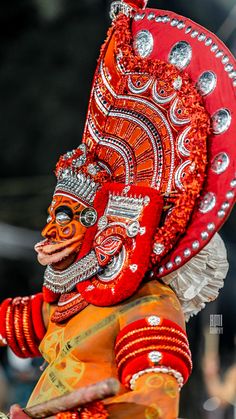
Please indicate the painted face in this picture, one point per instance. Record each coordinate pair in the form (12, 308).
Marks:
(66, 226)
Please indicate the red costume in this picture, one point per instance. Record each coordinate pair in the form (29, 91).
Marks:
(130, 235)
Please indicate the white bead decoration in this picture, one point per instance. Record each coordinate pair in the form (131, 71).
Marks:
(161, 369)
(154, 320)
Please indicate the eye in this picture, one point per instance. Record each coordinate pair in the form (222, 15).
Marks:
(63, 215)
(49, 219)
(88, 217)
(62, 218)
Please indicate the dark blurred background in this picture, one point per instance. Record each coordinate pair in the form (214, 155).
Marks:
(48, 54)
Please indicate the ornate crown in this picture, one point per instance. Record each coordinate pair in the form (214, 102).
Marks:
(78, 175)
(126, 206)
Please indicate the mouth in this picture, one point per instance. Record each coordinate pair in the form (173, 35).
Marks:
(58, 254)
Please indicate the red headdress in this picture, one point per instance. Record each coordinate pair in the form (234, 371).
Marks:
(158, 119)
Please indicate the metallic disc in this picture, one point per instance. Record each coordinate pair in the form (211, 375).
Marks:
(206, 83)
(88, 217)
(221, 121)
(181, 55)
(220, 163)
(143, 43)
(207, 203)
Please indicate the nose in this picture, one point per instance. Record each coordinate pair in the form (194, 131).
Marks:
(49, 231)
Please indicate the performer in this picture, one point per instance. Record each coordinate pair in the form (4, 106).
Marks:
(130, 243)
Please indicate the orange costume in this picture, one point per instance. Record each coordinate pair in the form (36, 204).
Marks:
(82, 352)
(130, 243)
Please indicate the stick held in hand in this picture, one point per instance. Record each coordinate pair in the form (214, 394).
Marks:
(77, 398)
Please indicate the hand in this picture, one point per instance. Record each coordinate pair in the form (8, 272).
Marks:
(17, 413)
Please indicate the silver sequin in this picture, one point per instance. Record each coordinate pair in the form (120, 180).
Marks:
(178, 260)
(151, 16)
(230, 195)
(219, 53)
(143, 43)
(225, 206)
(181, 54)
(204, 235)
(177, 83)
(221, 214)
(195, 245)
(206, 83)
(155, 356)
(194, 33)
(207, 203)
(133, 229)
(220, 163)
(208, 42)
(221, 121)
(133, 267)
(174, 22)
(201, 37)
(158, 248)
(102, 222)
(228, 68)
(225, 59)
(169, 265)
(153, 320)
(187, 252)
(211, 227)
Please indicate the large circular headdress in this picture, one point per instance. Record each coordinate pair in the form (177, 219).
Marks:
(161, 114)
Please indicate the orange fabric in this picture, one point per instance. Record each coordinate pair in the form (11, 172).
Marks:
(81, 352)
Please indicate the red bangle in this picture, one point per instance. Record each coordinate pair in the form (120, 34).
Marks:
(174, 350)
(18, 327)
(151, 340)
(151, 325)
(10, 332)
(143, 362)
(28, 330)
(37, 317)
(3, 310)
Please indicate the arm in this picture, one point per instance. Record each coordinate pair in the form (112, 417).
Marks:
(152, 356)
(155, 395)
(23, 324)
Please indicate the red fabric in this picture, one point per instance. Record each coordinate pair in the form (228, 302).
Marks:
(118, 289)
(100, 203)
(37, 317)
(137, 4)
(50, 296)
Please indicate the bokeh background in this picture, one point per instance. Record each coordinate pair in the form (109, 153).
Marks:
(48, 53)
